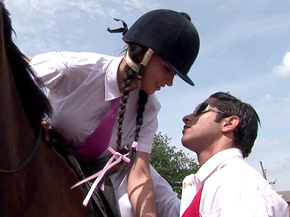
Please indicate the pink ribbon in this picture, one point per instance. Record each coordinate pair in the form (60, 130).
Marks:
(135, 145)
(99, 175)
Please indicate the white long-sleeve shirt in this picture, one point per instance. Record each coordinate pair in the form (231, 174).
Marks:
(232, 188)
(81, 86)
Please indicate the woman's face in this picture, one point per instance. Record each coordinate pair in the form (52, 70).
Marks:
(156, 75)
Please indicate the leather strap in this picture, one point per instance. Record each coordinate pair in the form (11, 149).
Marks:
(102, 204)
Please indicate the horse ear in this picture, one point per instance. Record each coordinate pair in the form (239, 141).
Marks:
(230, 124)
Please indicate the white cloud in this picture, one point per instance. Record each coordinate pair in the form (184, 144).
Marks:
(287, 110)
(32, 7)
(74, 9)
(277, 168)
(93, 8)
(267, 97)
(284, 68)
(287, 99)
(263, 143)
(244, 29)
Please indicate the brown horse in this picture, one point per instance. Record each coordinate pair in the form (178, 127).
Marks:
(35, 180)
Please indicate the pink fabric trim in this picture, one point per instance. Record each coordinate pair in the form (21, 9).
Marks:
(193, 209)
(98, 142)
(113, 161)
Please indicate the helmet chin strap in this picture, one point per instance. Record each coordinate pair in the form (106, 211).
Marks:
(141, 67)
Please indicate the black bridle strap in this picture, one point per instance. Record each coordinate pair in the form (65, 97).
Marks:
(30, 156)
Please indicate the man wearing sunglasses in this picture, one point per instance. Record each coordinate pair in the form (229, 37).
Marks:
(222, 131)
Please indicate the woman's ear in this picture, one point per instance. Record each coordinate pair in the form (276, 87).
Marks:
(230, 123)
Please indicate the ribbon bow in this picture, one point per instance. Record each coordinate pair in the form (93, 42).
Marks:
(113, 161)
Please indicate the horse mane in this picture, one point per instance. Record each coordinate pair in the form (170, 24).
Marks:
(34, 101)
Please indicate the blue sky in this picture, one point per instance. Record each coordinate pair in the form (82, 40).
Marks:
(245, 49)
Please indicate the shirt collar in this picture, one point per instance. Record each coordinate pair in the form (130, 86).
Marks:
(111, 82)
(216, 162)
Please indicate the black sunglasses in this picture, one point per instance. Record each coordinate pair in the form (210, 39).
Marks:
(205, 107)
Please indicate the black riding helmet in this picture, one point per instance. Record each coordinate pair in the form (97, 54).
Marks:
(171, 35)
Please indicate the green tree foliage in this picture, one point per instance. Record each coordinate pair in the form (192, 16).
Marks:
(171, 163)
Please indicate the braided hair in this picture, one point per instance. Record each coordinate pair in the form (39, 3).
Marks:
(136, 51)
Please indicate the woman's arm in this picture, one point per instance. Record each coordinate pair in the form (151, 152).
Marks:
(140, 188)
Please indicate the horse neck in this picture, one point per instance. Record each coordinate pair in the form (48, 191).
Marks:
(17, 134)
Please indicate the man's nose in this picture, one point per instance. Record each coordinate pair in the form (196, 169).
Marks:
(186, 118)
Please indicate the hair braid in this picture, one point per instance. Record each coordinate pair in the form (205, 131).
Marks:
(135, 52)
(125, 95)
(143, 97)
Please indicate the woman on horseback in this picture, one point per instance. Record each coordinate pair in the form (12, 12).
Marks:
(83, 87)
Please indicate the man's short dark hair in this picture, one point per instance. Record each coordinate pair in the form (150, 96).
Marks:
(246, 132)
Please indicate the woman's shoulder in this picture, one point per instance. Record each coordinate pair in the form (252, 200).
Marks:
(73, 57)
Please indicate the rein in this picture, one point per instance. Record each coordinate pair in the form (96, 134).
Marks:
(29, 157)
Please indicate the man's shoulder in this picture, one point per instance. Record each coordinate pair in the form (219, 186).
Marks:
(238, 167)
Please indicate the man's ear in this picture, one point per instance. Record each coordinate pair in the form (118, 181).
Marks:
(230, 123)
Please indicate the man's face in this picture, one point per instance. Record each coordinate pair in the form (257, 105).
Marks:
(200, 131)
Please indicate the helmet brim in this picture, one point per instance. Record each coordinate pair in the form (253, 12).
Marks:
(181, 75)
